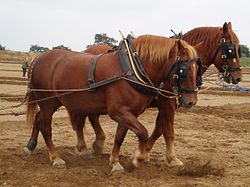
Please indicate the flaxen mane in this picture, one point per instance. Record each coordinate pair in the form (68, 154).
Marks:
(157, 48)
(190, 50)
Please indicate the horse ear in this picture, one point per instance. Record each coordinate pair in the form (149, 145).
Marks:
(227, 27)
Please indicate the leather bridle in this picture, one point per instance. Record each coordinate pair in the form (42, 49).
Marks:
(179, 73)
(228, 51)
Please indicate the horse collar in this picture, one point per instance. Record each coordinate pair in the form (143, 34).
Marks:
(132, 66)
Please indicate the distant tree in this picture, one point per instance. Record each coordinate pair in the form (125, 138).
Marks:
(37, 48)
(61, 47)
(244, 51)
(2, 48)
(103, 39)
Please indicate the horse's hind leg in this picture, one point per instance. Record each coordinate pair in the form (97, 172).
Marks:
(34, 135)
(98, 144)
(44, 120)
(78, 122)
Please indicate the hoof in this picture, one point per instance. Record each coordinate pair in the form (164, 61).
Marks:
(27, 151)
(175, 163)
(137, 158)
(97, 148)
(146, 160)
(59, 163)
(135, 162)
(117, 168)
(85, 154)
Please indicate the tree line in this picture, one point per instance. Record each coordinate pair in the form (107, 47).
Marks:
(103, 38)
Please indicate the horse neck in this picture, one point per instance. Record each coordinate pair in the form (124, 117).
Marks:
(210, 36)
(154, 71)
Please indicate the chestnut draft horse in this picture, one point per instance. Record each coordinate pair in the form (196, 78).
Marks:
(215, 45)
(58, 78)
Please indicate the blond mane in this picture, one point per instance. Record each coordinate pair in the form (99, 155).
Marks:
(190, 50)
(157, 48)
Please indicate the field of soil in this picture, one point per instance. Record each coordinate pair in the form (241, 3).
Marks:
(212, 139)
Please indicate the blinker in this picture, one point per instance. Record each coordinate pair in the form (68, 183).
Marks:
(183, 70)
(228, 50)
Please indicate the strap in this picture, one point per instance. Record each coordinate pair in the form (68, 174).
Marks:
(103, 82)
(216, 52)
(92, 65)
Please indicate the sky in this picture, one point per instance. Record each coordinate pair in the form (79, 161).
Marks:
(74, 23)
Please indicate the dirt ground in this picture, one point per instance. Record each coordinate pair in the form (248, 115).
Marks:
(212, 139)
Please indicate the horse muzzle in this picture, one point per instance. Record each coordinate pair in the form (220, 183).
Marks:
(188, 100)
(233, 78)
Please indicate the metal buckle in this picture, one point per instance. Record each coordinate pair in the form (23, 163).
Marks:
(223, 40)
(225, 67)
(175, 76)
(223, 56)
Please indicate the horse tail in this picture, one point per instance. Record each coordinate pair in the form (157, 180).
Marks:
(31, 105)
(31, 110)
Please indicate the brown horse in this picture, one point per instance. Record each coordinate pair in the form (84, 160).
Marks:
(120, 99)
(211, 49)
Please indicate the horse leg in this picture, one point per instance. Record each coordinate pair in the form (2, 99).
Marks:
(44, 120)
(98, 144)
(129, 121)
(78, 121)
(121, 132)
(157, 132)
(165, 125)
(34, 135)
(168, 133)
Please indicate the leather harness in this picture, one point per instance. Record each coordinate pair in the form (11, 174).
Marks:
(133, 70)
(131, 65)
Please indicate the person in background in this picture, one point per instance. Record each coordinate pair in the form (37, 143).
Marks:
(25, 66)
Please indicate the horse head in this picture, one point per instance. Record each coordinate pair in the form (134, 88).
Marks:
(183, 74)
(228, 55)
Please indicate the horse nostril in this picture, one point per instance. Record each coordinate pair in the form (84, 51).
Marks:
(190, 104)
(238, 79)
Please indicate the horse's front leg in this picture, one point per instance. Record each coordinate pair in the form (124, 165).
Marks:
(129, 121)
(98, 144)
(165, 125)
(168, 133)
(120, 134)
